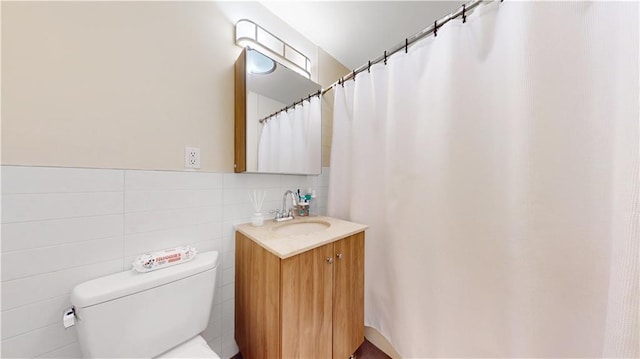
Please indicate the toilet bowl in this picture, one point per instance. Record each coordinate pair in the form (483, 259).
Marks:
(146, 315)
(194, 348)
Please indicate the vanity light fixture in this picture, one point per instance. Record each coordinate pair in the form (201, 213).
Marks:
(250, 34)
(259, 64)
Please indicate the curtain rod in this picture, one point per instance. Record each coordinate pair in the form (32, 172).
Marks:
(308, 98)
(433, 29)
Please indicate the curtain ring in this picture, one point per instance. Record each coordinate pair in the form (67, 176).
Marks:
(354, 75)
(435, 28)
(385, 57)
(406, 45)
(369, 67)
(464, 15)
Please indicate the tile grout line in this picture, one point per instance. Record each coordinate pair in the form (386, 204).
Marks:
(58, 348)
(222, 229)
(65, 295)
(59, 244)
(169, 228)
(30, 331)
(173, 209)
(62, 218)
(124, 225)
(61, 269)
(59, 192)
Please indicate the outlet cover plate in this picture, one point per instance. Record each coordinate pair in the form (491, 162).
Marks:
(191, 157)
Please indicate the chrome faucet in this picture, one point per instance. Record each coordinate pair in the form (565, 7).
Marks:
(284, 201)
(285, 213)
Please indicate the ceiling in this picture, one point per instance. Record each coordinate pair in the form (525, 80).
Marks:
(357, 31)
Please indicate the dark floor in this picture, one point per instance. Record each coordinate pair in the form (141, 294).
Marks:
(366, 351)
(370, 351)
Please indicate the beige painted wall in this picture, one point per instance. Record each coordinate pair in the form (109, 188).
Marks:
(126, 84)
(329, 73)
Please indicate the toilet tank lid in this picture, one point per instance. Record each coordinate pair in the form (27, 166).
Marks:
(121, 284)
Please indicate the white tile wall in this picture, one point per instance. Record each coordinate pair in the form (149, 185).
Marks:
(20, 264)
(63, 226)
(16, 179)
(68, 351)
(26, 235)
(23, 321)
(43, 206)
(37, 342)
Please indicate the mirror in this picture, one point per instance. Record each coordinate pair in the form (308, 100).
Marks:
(269, 139)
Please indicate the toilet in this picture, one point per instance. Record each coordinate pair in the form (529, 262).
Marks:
(145, 315)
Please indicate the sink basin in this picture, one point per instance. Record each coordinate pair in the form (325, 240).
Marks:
(305, 227)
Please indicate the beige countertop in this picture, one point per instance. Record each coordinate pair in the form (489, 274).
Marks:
(285, 246)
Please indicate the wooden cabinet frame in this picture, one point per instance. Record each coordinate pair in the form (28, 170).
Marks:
(240, 114)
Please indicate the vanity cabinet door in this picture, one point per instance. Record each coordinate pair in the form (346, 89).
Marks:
(257, 300)
(306, 304)
(348, 295)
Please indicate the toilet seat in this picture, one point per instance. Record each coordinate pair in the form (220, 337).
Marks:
(194, 348)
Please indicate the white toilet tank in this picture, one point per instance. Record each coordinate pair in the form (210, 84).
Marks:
(141, 315)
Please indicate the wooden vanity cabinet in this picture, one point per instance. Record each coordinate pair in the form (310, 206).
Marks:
(310, 305)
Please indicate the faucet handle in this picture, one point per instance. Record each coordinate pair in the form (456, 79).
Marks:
(277, 212)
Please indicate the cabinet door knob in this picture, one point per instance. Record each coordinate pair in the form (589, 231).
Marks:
(330, 260)
(339, 255)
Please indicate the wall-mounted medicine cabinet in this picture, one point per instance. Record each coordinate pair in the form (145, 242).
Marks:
(289, 142)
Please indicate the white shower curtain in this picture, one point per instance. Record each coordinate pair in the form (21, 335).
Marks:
(497, 167)
(290, 141)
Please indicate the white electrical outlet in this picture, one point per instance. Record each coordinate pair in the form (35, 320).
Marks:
(191, 157)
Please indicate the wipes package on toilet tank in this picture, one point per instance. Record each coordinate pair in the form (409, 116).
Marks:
(164, 258)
